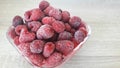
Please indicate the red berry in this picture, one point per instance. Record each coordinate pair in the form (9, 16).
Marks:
(74, 42)
(65, 36)
(19, 28)
(54, 60)
(58, 26)
(82, 24)
(34, 25)
(47, 10)
(48, 49)
(75, 21)
(79, 36)
(25, 49)
(43, 5)
(84, 31)
(26, 36)
(64, 46)
(48, 20)
(36, 14)
(45, 32)
(36, 59)
(72, 31)
(27, 15)
(12, 33)
(65, 16)
(16, 40)
(67, 27)
(56, 14)
(17, 20)
(36, 46)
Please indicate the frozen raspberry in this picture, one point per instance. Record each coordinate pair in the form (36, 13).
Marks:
(65, 36)
(48, 49)
(45, 32)
(58, 26)
(37, 14)
(36, 46)
(74, 42)
(34, 15)
(36, 59)
(34, 25)
(12, 33)
(65, 16)
(56, 14)
(48, 20)
(17, 20)
(27, 15)
(64, 46)
(26, 36)
(82, 24)
(19, 28)
(25, 49)
(72, 31)
(47, 10)
(84, 31)
(79, 36)
(75, 21)
(16, 40)
(43, 5)
(54, 60)
(67, 27)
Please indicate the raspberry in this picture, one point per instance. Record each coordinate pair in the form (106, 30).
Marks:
(16, 40)
(34, 15)
(37, 14)
(36, 59)
(72, 31)
(74, 42)
(48, 20)
(27, 15)
(65, 36)
(84, 31)
(25, 49)
(79, 36)
(64, 46)
(75, 21)
(47, 10)
(36, 46)
(58, 26)
(56, 14)
(82, 24)
(19, 28)
(26, 36)
(17, 20)
(43, 5)
(12, 33)
(67, 27)
(48, 49)
(54, 60)
(34, 25)
(45, 32)
(65, 16)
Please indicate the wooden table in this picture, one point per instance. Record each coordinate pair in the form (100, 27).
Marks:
(102, 50)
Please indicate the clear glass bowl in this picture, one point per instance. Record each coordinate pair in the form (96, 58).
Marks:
(66, 58)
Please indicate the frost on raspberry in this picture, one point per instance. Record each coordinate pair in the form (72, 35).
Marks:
(45, 32)
(36, 46)
(48, 20)
(64, 46)
(58, 26)
(65, 36)
(43, 5)
(34, 25)
(48, 49)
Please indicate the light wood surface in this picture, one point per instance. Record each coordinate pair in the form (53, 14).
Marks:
(102, 50)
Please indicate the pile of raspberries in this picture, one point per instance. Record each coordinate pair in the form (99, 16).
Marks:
(46, 35)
